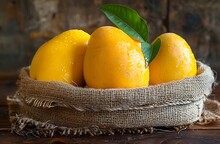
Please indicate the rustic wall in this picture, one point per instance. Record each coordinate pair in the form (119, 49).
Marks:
(198, 23)
(26, 24)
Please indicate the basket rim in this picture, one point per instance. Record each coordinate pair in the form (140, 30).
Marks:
(200, 67)
(30, 91)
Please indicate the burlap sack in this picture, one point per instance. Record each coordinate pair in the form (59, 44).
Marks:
(45, 108)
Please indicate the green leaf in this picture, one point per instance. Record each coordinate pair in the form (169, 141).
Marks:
(133, 25)
(127, 20)
(150, 51)
(155, 49)
(147, 51)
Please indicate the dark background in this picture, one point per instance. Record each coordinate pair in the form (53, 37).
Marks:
(27, 24)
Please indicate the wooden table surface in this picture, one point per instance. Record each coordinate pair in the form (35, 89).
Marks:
(209, 134)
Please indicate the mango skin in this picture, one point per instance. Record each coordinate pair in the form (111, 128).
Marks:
(174, 61)
(61, 58)
(114, 60)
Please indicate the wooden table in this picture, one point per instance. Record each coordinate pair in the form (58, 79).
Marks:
(209, 134)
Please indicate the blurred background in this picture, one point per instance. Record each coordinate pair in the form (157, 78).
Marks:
(27, 24)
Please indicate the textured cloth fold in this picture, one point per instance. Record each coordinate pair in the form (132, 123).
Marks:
(62, 105)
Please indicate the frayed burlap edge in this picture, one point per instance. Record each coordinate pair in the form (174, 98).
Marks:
(26, 126)
(211, 112)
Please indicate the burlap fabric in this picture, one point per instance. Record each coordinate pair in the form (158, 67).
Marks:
(44, 108)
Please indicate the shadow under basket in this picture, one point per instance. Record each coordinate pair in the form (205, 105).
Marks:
(54, 108)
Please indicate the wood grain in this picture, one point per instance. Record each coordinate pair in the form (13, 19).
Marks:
(184, 137)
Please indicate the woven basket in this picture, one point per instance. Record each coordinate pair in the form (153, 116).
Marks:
(44, 108)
